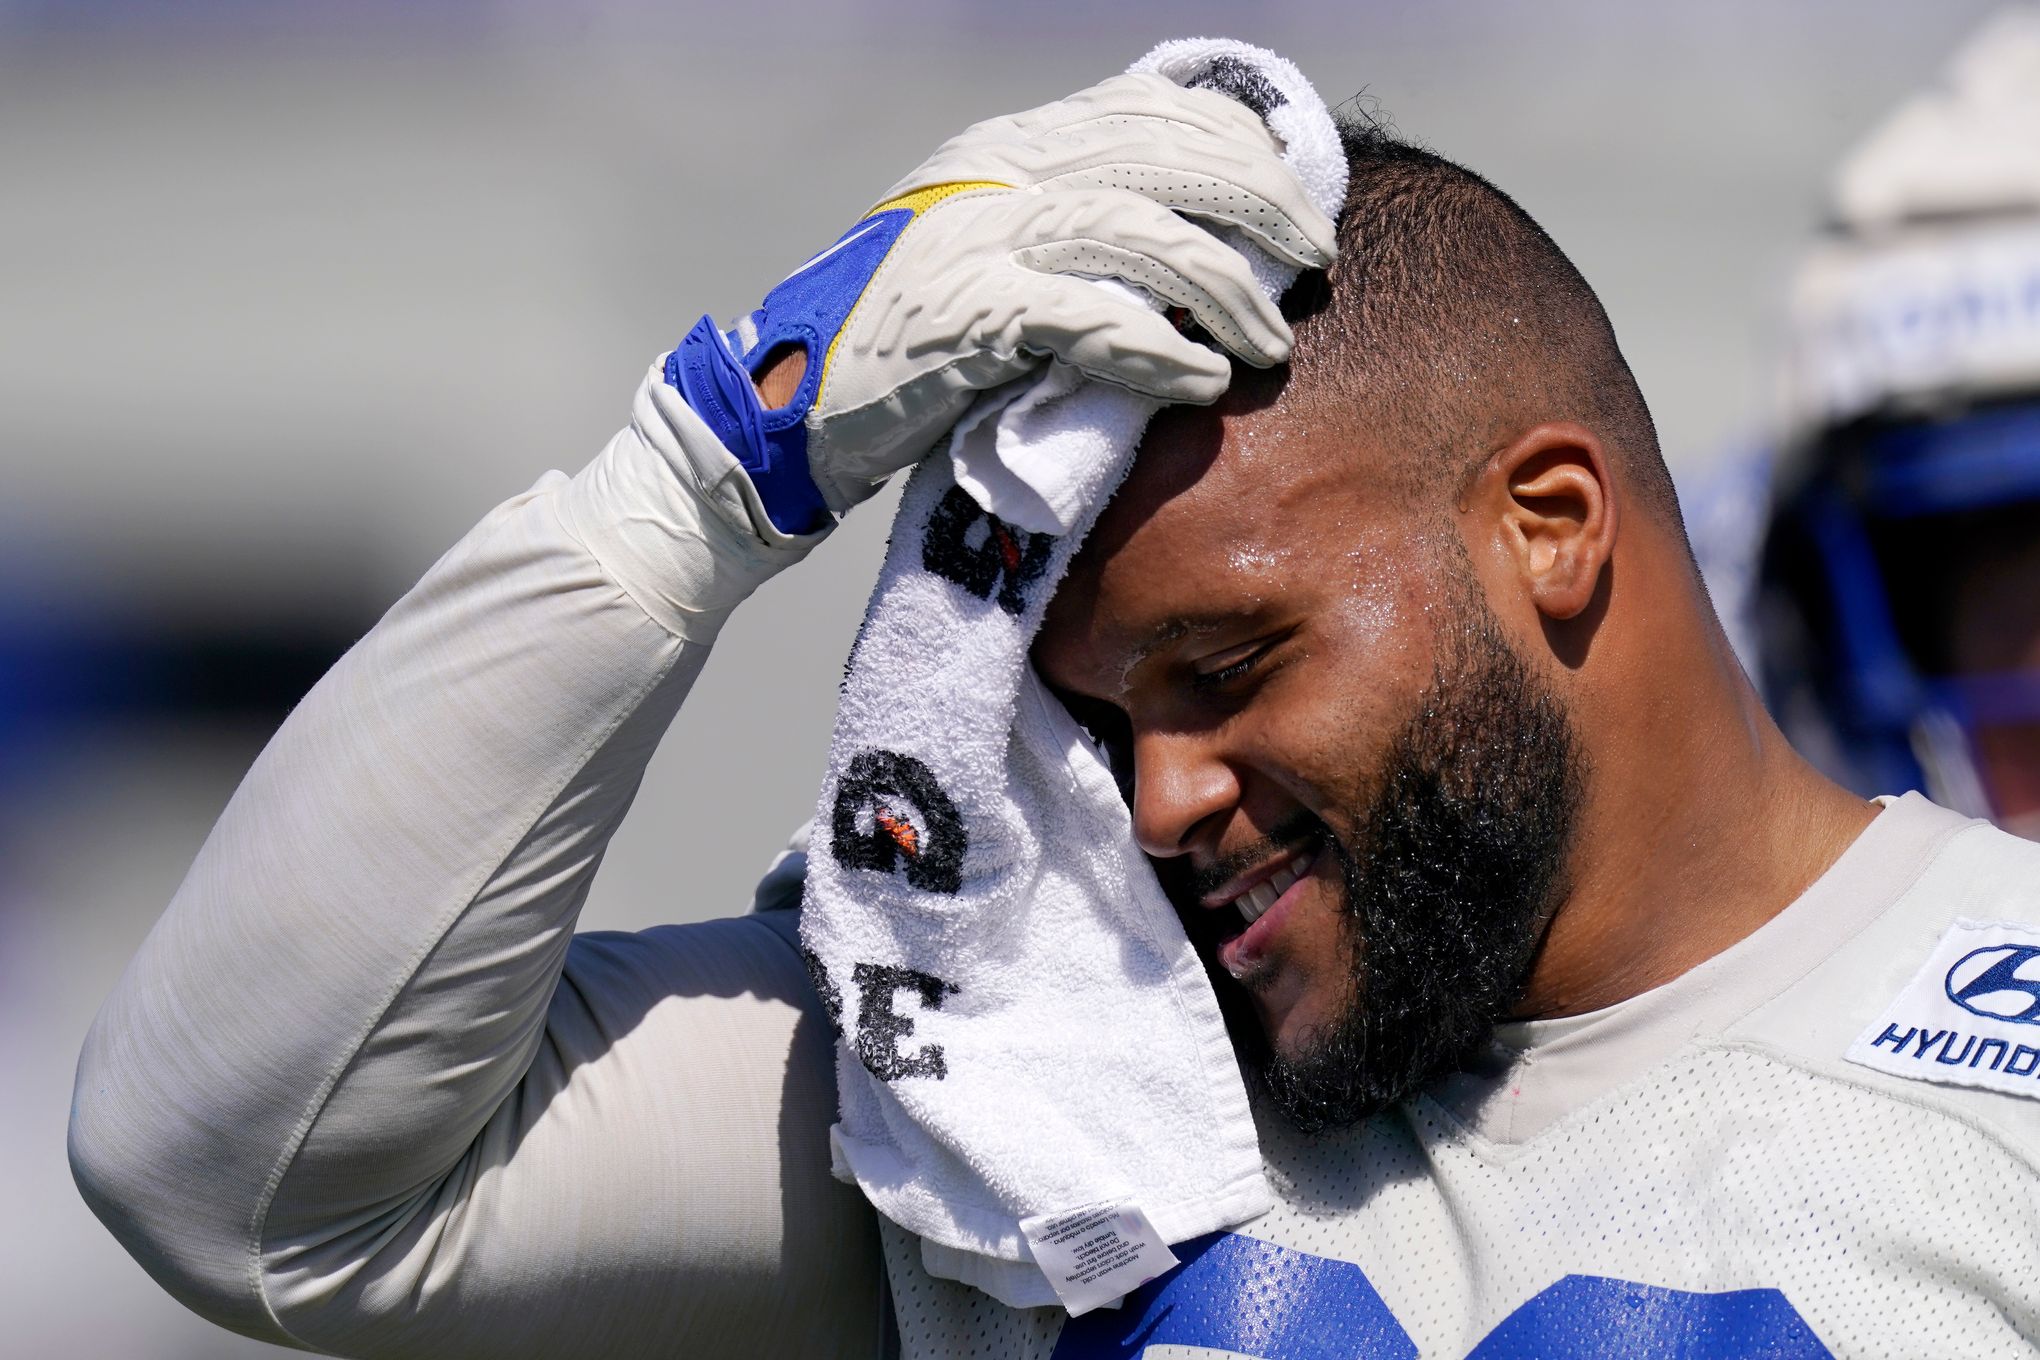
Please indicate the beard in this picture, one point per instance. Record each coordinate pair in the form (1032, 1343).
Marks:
(1454, 862)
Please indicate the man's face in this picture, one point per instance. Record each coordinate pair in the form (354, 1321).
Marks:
(1356, 792)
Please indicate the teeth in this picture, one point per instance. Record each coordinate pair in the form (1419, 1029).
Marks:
(1256, 900)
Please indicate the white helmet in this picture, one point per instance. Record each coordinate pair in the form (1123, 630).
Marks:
(1926, 284)
(1911, 462)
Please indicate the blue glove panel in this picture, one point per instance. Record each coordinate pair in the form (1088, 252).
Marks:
(807, 309)
(772, 453)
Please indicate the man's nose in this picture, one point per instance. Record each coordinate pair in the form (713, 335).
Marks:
(1180, 785)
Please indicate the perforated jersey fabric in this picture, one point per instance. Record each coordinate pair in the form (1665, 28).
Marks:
(1742, 1192)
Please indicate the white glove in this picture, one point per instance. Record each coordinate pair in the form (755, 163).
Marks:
(972, 270)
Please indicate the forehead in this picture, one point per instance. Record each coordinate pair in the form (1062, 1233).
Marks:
(1228, 511)
(1209, 483)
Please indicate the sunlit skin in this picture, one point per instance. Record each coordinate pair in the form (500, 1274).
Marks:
(1259, 608)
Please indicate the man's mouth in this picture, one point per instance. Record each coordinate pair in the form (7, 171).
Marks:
(1262, 899)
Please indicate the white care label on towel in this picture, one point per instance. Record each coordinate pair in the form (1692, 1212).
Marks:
(1096, 1255)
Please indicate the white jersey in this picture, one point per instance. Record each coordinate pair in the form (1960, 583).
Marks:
(1699, 1171)
(364, 1091)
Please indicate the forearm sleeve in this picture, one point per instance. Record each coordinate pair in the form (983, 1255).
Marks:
(363, 1090)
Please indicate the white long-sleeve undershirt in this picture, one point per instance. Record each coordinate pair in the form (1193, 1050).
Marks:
(363, 1090)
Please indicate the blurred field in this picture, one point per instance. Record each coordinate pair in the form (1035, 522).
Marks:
(293, 294)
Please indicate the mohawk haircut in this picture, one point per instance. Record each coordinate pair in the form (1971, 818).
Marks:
(1454, 318)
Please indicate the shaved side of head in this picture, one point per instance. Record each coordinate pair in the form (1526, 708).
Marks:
(1451, 323)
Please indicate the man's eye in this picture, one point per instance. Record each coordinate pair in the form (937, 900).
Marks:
(1228, 667)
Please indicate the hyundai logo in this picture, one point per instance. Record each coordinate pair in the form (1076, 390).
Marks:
(1998, 983)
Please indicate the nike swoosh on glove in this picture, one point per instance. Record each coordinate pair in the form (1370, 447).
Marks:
(976, 267)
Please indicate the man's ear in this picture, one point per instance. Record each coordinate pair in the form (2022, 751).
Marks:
(1557, 514)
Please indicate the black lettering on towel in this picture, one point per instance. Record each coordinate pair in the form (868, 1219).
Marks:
(912, 822)
(1230, 75)
(880, 1027)
(1005, 559)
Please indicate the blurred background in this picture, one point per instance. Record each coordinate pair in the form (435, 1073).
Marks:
(291, 294)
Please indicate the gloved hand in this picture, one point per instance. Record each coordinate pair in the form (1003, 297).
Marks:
(973, 269)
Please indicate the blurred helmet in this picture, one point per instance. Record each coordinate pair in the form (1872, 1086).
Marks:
(1899, 603)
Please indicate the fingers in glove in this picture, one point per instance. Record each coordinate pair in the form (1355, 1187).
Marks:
(1183, 168)
(1116, 340)
(1196, 151)
(1202, 175)
(1142, 95)
(1113, 234)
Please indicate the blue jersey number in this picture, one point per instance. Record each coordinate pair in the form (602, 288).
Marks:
(1254, 1298)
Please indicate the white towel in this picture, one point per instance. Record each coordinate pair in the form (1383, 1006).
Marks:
(1025, 1028)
